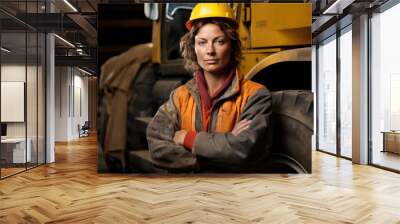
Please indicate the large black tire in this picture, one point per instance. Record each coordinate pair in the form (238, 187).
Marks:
(292, 120)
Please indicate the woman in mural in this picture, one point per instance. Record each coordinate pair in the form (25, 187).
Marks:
(217, 121)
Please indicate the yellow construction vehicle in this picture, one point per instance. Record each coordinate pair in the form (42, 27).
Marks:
(271, 34)
(276, 40)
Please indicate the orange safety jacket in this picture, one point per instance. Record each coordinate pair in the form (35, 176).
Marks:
(213, 144)
(207, 103)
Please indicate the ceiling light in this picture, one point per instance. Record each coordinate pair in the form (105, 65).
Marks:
(5, 50)
(84, 71)
(337, 7)
(80, 51)
(70, 5)
(65, 41)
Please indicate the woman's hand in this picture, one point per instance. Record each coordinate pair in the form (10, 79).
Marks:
(180, 137)
(241, 126)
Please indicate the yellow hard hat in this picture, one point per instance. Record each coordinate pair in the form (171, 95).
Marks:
(211, 10)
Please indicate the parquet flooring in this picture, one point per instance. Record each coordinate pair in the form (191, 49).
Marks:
(387, 159)
(10, 171)
(71, 191)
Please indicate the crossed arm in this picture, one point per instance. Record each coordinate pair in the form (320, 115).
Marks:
(165, 139)
(242, 125)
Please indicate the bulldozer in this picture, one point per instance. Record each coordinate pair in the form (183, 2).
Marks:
(276, 41)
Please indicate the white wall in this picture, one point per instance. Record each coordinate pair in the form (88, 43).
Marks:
(12, 73)
(61, 103)
(71, 94)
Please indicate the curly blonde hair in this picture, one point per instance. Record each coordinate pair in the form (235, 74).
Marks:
(187, 43)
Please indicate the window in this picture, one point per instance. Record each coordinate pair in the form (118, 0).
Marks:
(327, 95)
(345, 92)
(385, 87)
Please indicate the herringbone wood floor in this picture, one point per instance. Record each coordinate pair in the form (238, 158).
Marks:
(71, 191)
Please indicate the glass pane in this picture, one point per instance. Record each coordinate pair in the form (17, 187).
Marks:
(32, 85)
(31, 97)
(327, 96)
(13, 87)
(345, 94)
(314, 90)
(385, 86)
(41, 98)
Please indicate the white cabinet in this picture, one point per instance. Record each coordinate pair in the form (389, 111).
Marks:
(17, 145)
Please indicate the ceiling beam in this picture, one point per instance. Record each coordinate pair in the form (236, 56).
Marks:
(80, 20)
(81, 61)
